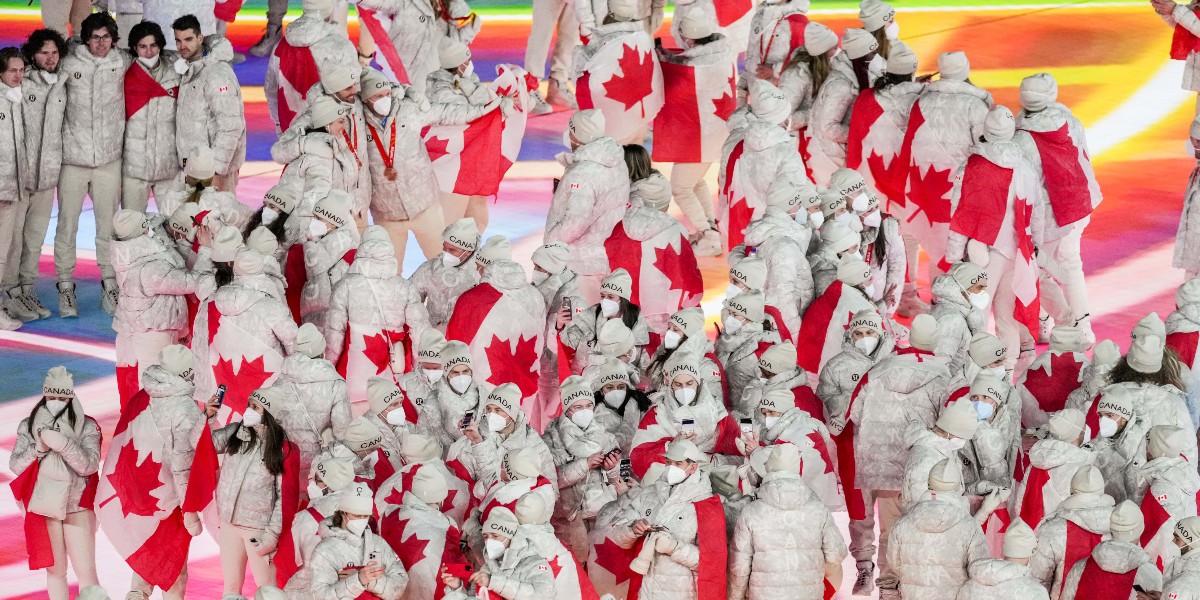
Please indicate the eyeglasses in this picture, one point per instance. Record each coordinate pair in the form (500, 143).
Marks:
(100, 38)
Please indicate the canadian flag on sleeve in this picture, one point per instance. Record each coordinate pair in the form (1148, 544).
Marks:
(137, 504)
(697, 101)
(623, 79)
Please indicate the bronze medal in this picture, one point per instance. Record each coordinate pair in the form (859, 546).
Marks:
(390, 173)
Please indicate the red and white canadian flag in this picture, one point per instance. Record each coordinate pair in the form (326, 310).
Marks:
(623, 79)
(873, 147)
(226, 355)
(825, 323)
(1048, 382)
(698, 100)
(458, 499)
(736, 212)
(424, 540)
(660, 262)
(378, 24)
(1184, 337)
(297, 75)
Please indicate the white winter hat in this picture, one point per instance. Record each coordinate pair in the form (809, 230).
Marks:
(614, 339)
(362, 434)
(779, 400)
(1126, 523)
(618, 282)
(337, 78)
(847, 182)
(586, 126)
(682, 363)
(248, 262)
(831, 201)
(495, 248)
(684, 450)
(335, 473)
(1146, 354)
(1188, 530)
(575, 389)
(269, 592)
(264, 242)
(986, 384)
(372, 83)
(1067, 424)
(1038, 91)
(452, 53)
(59, 382)
(875, 15)
(785, 459)
(818, 39)
(268, 397)
(945, 476)
(786, 193)
(967, 274)
(986, 349)
(1087, 480)
(357, 500)
(429, 486)
(416, 448)
(325, 110)
(836, 237)
(183, 220)
(959, 420)
(284, 196)
(309, 341)
(1067, 338)
(749, 304)
(1188, 293)
(1117, 400)
(531, 509)
(177, 359)
(609, 371)
(502, 521)
(462, 234)
(857, 43)
(999, 124)
(868, 318)
(768, 103)
(522, 463)
(924, 332)
(1150, 324)
(552, 257)
(381, 393)
(226, 244)
(506, 397)
(750, 272)
(334, 207)
(624, 10)
(129, 224)
(1019, 540)
(1167, 440)
(696, 25)
(200, 164)
(779, 358)
(320, 7)
(852, 270)
(654, 191)
(92, 592)
(455, 353)
(901, 59)
(1105, 353)
(429, 349)
(954, 66)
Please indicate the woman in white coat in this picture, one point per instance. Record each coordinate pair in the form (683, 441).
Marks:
(856, 68)
(56, 457)
(803, 77)
(351, 561)
(327, 160)
(328, 254)
(417, 27)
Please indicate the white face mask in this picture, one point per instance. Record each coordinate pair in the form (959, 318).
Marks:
(609, 308)
(496, 422)
(732, 291)
(314, 490)
(494, 548)
(999, 372)
(396, 417)
(55, 406)
(460, 383)
(892, 31)
(1108, 427)
(873, 219)
(855, 254)
(732, 325)
(860, 202)
(675, 475)
(979, 300)
(269, 215)
(957, 443)
(251, 417)
(867, 345)
(181, 66)
(540, 277)
(450, 260)
(770, 421)
(817, 219)
(851, 221)
(317, 228)
(876, 67)
(383, 106)
(357, 526)
(685, 396)
(671, 340)
(13, 94)
(433, 374)
(151, 62)
(869, 290)
(984, 410)
(582, 418)
(614, 398)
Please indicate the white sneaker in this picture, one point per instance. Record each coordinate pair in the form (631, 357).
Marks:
(31, 298)
(1085, 326)
(17, 307)
(7, 323)
(558, 94)
(67, 306)
(864, 582)
(540, 106)
(889, 594)
(108, 296)
(266, 45)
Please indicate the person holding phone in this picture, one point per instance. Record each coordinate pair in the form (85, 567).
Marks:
(330, 477)
(421, 516)
(559, 286)
(456, 396)
(739, 342)
(509, 571)
(685, 333)
(619, 405)
(778, 421)
(584, 333)
(351, 561)
(507, 431)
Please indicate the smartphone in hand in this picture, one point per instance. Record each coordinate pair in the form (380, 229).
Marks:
(221, 394)
(467, 419)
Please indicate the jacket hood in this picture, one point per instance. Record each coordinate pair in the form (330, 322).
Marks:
(936, 516)
(841, 66)
(947, 291)
(604, 151)
(1006, 154)
(126, 253)
(1092, 513)
(1184, 319)
(161, 383)
(949, 86)
(1174, 470)
(1050, 453)
(916, 434)
(505, 275)
(785, 493)
(307, 30)
(343, 535)
(643, 223)
(787, 227)
(994, 571)
(375, 268)
(237, 298)
(302, 369)
(761, 135)
(1050, 118)
(1119, 557)
(218, 48)
(759, 231)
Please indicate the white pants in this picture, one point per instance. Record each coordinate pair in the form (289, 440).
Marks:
(141, 349)
(10, 236)
(862, 533)
(175, 593)
(1064, 291)
(549, 16)
(933, 239)
(457, 206)
(135, 193)
(32, 219)
(426, 226)
(236, 548)
(103, 185)
(1004, 301)
(57, 14)
(691, 193)
(73, 539)
(912, 252)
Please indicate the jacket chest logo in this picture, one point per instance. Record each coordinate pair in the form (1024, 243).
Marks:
(171, 93)
(33, 97)
(78, 75)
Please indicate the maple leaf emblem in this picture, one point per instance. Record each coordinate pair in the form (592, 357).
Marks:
(680, 268)
(885, 179)
(410, 551)
(636, 80)
(514, 364)
(214, 321)
(740, 215)
(555, 568)
(129, 481)
(241, 383)
(615, 560)
(378, 350)
(727, 103)
(929, 193)
(436, 148)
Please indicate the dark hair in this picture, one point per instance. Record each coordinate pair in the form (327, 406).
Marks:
(276, 226)
(880, 243)
(70, 411)
(9, 53)
(631, 393)
(273, 443)
(862, 70)
(187, 22)
(143, 29)
(1169, 374)
(630, 313)
(637, 161)
(223, 274)
(890, 79)
(96, 21)
(37, 39)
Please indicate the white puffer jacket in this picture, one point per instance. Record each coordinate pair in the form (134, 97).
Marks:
(307, 530)
(1116, 557)
(589, 202)
(829, 120)
(15, 164)
(591, 13)
(416, 520)
(338, 549)
(1172, 483)
(996, 579)
(931, 546)
(521, 574)
(899, 390)
(925, 450)
(154, 283)
(150, 148)
(997, 443)
(416, 29)
(571, 447)
(789, 380)
(485, 459)
(178, 420)
(324, 161)
(738, 354)
(248, 495)
(449, 407)
(796, 84)
(770, 39)
(210, 109)
(622, 425)
(584, 331)
(781, 544)
(44, 107)
(1117, 455)
(1061, 460)
(1184, 319)
(889, 274)
(329, 45)
(1052, 119)
(818, 455)
(954, 112)
(770, 153)
(958, 321)
(263, 325)
(440, 286)
(1162, 405)
(81, 455)
(326, 260)
(1089, 512)
(94, 125)
(789, 285)
(1182, 577)
(841, 375)
(316, 403)
(419, 391)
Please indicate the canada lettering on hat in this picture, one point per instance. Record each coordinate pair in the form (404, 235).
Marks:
(1182, 532)
(766, 402)
(499, 528)
(766, 364)
(261, 399)
(377, 440)
(735, 305)
(497, 400)
(980, 277)
(322, 212)
(57, 391)
(1113, 407)
(392, 396)
(858, 323)
(458, 360)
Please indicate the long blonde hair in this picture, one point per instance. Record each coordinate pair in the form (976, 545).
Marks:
(885, 44)
(818, 67)
(197, 185)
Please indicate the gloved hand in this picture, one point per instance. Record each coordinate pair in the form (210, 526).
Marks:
(984, 488)
(267, 542)
(665, 543)
(1004, 494)
(990, 503)
(53, 439)
(191, 522)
